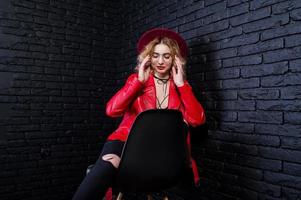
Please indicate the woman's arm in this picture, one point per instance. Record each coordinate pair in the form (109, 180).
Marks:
(193, 111)
(118, 104)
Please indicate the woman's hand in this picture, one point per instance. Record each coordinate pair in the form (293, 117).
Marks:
(144, 69)
(178, 72)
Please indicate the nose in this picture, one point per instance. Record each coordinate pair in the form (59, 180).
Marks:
(161, 61)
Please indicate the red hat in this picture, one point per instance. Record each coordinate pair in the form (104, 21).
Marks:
(150, 35)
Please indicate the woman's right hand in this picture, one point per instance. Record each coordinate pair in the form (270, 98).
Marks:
(144, 69)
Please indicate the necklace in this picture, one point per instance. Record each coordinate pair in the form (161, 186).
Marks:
(162, 81)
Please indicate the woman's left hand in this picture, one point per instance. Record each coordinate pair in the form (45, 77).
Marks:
(178, 72)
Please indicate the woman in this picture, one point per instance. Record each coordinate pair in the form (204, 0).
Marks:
(159, 84)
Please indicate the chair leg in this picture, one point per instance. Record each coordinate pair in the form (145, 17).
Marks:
(119, 196)
(149, 197)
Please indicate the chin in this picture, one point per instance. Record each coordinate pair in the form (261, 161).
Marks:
(162, 71)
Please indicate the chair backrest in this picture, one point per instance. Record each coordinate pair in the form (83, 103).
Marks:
(155, 155)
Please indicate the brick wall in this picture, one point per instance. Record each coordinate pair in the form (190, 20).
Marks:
(58, 67)
(244, 66)
(57, 60)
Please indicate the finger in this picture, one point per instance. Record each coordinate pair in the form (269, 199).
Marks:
(178, 60)
(147, 70)
(174, 72)
(180, 67)
(145, 61)
(178, 64)
(176, 57)
(146, 58)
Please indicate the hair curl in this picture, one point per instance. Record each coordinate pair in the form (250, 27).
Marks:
(149, 50)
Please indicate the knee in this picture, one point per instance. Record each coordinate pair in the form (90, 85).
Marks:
(112, 158)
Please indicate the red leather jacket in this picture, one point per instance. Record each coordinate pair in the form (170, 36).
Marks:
(135, 97)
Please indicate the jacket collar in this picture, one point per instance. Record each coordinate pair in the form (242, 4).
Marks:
(173, 99)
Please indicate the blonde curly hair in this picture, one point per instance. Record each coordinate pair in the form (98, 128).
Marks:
(149, 50)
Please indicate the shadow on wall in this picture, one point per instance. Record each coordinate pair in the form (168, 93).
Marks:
(202, 72)
(197, 66)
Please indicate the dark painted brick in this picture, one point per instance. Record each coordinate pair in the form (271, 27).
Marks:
(25, 3)
(279, 105)
(252, 16)
(261, 47)
(259, 4)
(259, 163)
(291, 92)
(215, 17)
(241, 138)
(264, 197)
(281, 80)
(220, 156)
(241, 83)
(221, 95)
(291, 143)
(282, 179)
(293, 117)
(295, 65)
(282, 130)
(296, 14)
(285, 54)
(8, 99)
(215, 85)
(281, 31)
(9, 23)
(22, 10)
(231, 3)
(210, 10)
(9, 41)
(283, 7)
(255, 174)
(266, 23)
(237, 127)
(239, 9)
(265, 69)
(290, 193)
(222, 116)
(259, 94)
(292, 168)
(240, 40)
(223, 74)
(280, 154)
(215, 27)
(293, 41)
(246, 60)
(269, 117)
(222, 54)
(226, 34)
(6, 80)
(235, 105)
(208, 3)
(237, 147)
(261, 187)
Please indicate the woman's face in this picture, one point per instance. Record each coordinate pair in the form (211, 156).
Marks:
(161, 60)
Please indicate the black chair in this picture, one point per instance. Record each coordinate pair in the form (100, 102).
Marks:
(155, 156)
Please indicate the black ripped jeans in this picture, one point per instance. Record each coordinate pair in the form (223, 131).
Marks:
(102, 175)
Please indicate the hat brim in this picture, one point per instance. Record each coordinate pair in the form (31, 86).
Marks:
(150, 35)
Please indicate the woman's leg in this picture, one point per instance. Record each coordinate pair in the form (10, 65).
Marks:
(102, 175)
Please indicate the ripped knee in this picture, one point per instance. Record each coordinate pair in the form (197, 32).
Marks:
(112, 158)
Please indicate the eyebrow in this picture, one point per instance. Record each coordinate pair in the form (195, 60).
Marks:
(162, 54)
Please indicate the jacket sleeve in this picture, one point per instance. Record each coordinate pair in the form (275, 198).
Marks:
(193, 111)
(120, 102)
